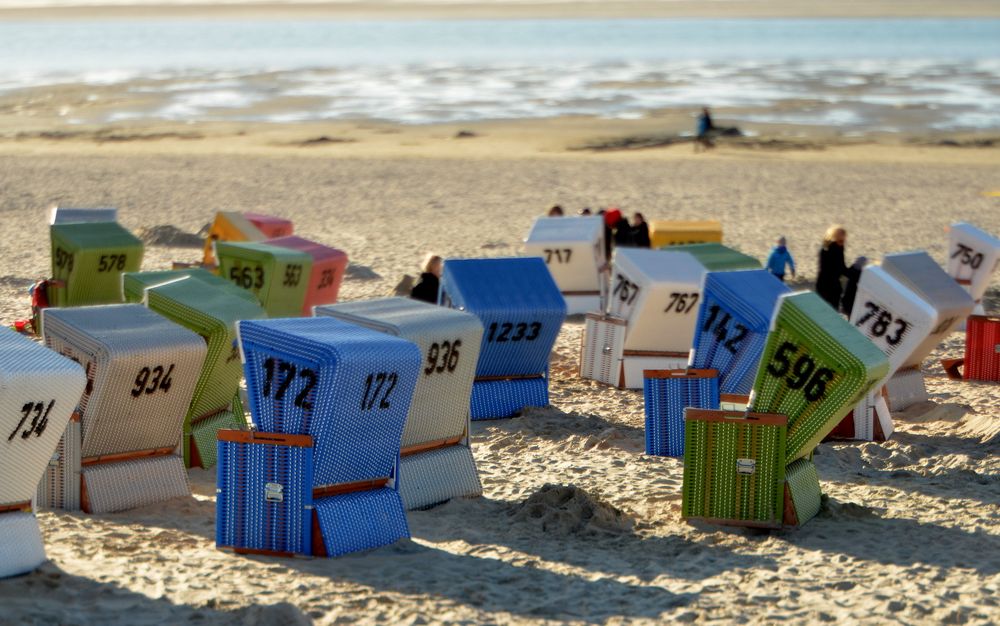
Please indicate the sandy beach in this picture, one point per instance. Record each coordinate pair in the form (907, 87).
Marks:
(908, 532)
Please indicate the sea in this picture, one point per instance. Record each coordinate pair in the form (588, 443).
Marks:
(860, 75)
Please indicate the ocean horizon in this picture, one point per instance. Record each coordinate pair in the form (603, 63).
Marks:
(854, 73)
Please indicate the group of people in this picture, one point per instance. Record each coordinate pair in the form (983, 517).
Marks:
(832, 269)
(619, 232)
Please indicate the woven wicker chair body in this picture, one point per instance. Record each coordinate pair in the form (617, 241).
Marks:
(667, 393)
(973, 256)
(21, 547)
(448, 339)
(89, 259)
(681, 232)
(212, 313)
(573, 250)
(326, 275)
(346, 386)
(124, 485)
(716, 257)
(892, 316)
(264, 492)
(38, 391)
(134, 284)
(732, 326)
(602, 349)
(519, 305)
(272, 226)
(734, 467)
(277, 276)
(60, 485)
(229, 226)
(658, 293)
(922, 275)
(361, 520)
(803, 494)
(145, 369)
(816, 366)
(74, 215)
(982, 348)
(906, 388)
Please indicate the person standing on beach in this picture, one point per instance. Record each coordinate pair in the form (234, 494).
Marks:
(640, 231)
(430, 280)
(704, 128)
(779, 260)
(831, 266)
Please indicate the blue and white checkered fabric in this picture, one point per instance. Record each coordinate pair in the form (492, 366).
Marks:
(347, 386)
(264, 497)
(494, 399)
(732, 325)
(361, 520)
(519, 305)
(666, 399)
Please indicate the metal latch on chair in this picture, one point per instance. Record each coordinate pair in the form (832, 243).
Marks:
(274, 492)
(607, 350)
(746, 466)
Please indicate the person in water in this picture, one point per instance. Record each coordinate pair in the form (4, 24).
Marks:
(430, 280)
(780, 260)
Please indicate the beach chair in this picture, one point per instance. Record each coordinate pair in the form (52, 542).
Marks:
(74, 215)
(733, 321)
(142, 370)
(349, 388)
(734, 468)
(210, 311)
(982, 348)
(522, 310)
(573, 250)
(88, 259)
(678, 232)
(716, 257)
(815, 368)
(278, 276)
(437, 462)
(803, 495)
(973, 256)
(652, 307)
(667, 394)
(236, 226)
(923, 276)
(134, 284)
(326, 273)
(896, 320)
(38, 391)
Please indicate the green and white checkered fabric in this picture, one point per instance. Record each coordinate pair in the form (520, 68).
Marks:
(89, 259)
(816, 366)
(717, 257)
(279, 277)
(734, 469)
(803, 485)
(204, 433)
(212, 313)
(134, 284)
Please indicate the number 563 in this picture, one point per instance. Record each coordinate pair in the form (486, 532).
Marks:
(802, 374)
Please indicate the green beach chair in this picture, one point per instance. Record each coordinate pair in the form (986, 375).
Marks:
(279, 277)
(816, 366)
(212, 312)
(88, 259)
(717, 257)
(803, 495)
(734, 467)
(134, 284)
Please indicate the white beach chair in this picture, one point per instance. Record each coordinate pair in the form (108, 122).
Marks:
(573, 250)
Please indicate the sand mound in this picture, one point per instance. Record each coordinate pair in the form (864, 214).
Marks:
(170, 236)
(569, 510)
(361, 272)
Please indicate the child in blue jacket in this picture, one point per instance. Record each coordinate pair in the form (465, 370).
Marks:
(779, 258)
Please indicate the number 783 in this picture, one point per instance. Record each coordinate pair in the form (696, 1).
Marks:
(800, 374)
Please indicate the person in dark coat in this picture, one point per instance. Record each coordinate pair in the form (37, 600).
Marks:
(620, 228)
(640, 231)
(832, 266)
(430, 280)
